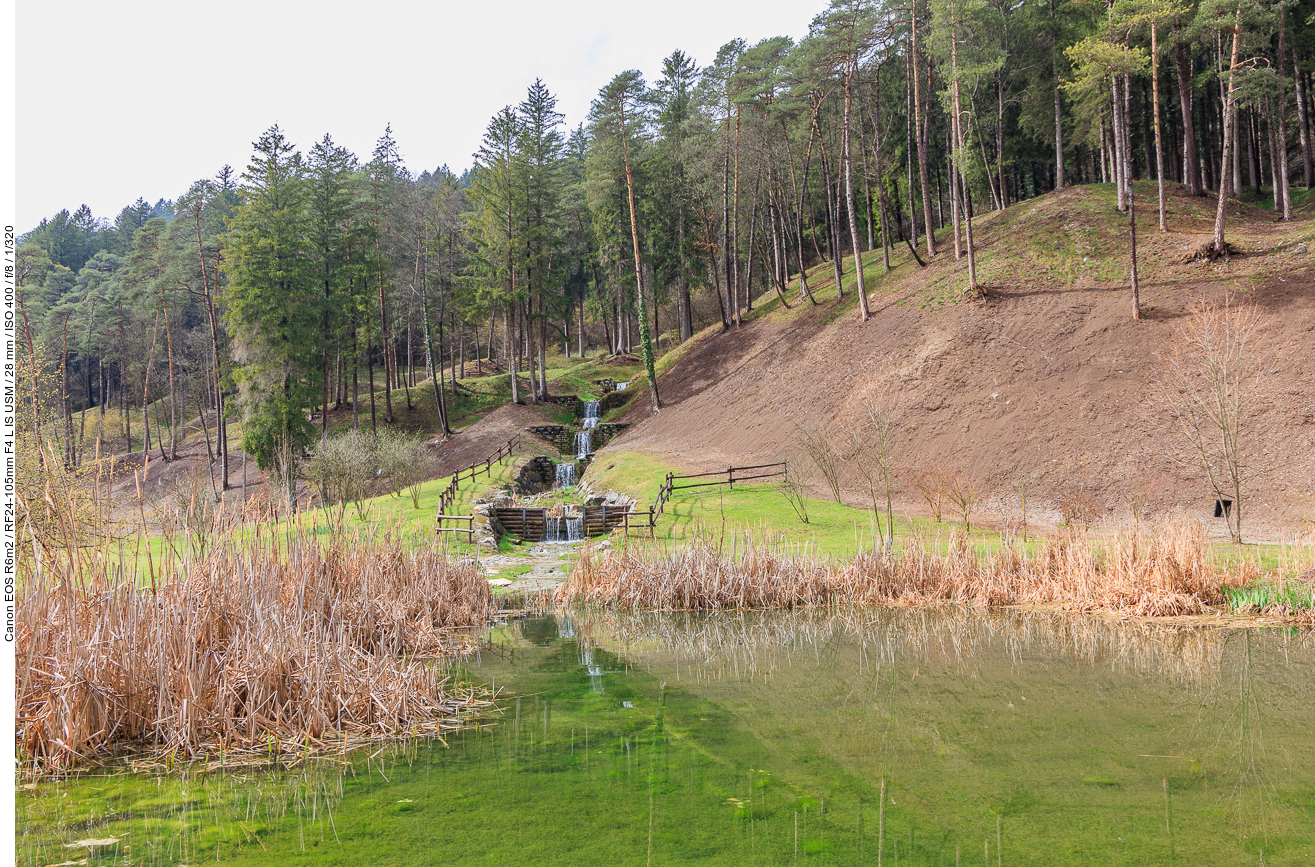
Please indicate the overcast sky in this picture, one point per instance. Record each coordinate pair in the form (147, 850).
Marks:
(117, 100)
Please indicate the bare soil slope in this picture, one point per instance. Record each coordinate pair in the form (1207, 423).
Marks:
(1041, 384)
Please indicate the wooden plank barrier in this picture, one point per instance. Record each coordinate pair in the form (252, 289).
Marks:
(532, 524)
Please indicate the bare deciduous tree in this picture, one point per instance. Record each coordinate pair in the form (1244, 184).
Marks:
(962, 491)
(1211, 387)
(928, 482)
(871, 442)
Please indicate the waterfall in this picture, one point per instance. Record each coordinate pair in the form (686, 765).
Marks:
(591, 415)
(575, 529)
(552, 528)
(565, 475)
(594, 670)
(583, 446)
(621, 386)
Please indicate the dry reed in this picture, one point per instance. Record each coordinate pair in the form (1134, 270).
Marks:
(1165, 571)
(264, 645)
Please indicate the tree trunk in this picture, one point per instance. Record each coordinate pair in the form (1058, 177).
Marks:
(1221, 248)
(1281, 124)
(951, 134)
(833, 227)
(1155, 103)
(512, 351)
(1303, 118)
(1192, 166)
(921, 133)
(735, 228)
(726, 221)
(433, 365)
(1116, 106)
(864, 313)
(644, 337)
(146, 390)
(1132, 247)
(965, 201)
(1059, 132)
(173, 387)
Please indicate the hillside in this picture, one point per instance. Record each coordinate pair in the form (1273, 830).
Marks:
(1040, 386)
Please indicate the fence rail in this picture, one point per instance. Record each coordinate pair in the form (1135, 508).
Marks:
(669, 485)
(469, 529)
(449, 494)
(648, 520)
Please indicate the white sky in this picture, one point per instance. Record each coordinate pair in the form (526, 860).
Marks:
(118, 99)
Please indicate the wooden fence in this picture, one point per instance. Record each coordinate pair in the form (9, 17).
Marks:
(745, 474)
(449, 494)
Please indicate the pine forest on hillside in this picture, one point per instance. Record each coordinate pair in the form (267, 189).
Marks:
(317, 278)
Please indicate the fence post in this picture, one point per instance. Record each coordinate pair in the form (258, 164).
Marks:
(730, 473)
(785, 473)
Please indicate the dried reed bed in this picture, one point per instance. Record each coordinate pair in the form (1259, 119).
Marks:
(1157, 572)
(266, 645)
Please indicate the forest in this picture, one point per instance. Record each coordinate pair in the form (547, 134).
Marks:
(316, 279)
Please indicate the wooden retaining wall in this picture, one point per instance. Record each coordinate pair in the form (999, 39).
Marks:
(531, 524)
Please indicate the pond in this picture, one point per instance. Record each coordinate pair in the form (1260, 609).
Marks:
(915, 737)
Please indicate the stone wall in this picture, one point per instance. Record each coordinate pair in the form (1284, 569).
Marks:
(605, 432)
(615, 399)
(537, 475)
(568, 400)
(561, 437)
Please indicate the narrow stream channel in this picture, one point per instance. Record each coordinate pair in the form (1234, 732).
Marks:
(768, 739)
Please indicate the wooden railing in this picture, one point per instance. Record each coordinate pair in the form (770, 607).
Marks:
(669, 485)
(449, 494)
(469, 529)
(647, 520)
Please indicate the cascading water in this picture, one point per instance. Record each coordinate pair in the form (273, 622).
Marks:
(575, 529)
(552, 528)
(591, 415)
(565, 475)
(621, 386)
(583, 445)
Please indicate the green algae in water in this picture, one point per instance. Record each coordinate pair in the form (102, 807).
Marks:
(765, 738)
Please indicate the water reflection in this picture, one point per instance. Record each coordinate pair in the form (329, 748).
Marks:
(770, 738)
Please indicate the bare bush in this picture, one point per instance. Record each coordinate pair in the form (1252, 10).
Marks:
(825, 454)
(401, 463)
(795, 496)
(1078, 509)
(962, 492)
(872, 443)
(929, 482)
(341, 470)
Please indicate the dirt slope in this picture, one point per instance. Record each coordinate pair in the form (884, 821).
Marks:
(1041, 384)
